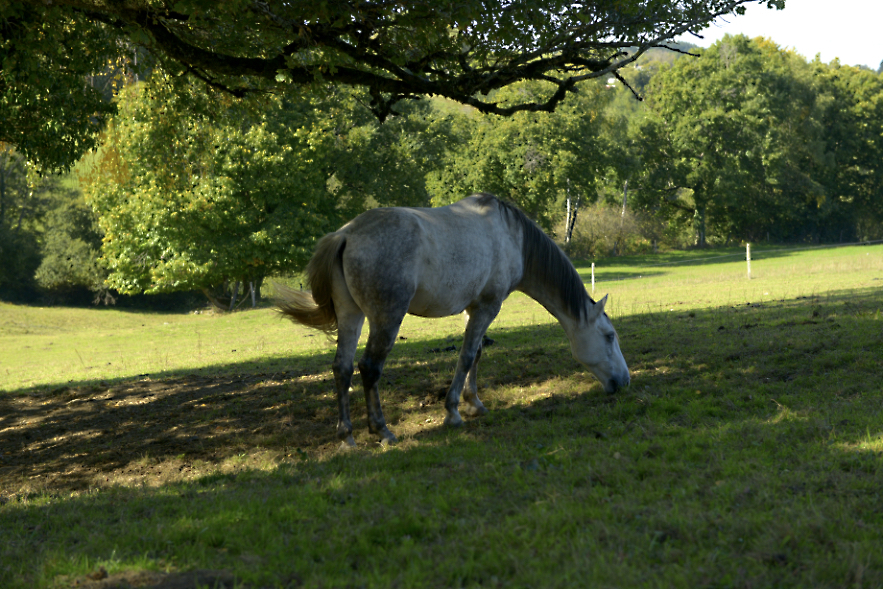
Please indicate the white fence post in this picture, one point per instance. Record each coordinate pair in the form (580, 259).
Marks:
(748, 258)
(593, 277)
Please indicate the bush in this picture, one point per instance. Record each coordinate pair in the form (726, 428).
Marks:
(72, 241)
(20, 255)
(603, 230)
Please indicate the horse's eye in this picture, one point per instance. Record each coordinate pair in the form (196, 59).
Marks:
(610, 337)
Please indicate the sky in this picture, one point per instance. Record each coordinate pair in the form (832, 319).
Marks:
(851, 30)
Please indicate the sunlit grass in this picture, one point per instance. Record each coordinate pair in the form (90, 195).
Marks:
(40, 347)
(748, 450)
(709, 279)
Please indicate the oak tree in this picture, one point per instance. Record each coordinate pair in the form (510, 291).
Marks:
(397, 50)
(208, 201)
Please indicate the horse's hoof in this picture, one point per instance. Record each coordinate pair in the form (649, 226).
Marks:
(387, 437)
(454, 421)
(475, 410)
(348, 444)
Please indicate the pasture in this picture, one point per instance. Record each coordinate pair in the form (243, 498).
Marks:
(167, 449)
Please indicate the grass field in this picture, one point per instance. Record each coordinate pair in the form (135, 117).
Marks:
(157, 449)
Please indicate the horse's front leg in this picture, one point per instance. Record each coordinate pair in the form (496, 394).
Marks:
(473, 407)
(478, 319)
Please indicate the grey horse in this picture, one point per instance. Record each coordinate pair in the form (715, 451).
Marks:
(435, 262)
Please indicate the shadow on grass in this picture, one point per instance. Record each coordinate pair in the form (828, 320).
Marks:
(610, 276)
(83, 434)
(80, 435)
(654, 265)
(749, 442)
(747, 452)
(658, 263)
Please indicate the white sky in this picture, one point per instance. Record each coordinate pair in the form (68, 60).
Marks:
(851, 30)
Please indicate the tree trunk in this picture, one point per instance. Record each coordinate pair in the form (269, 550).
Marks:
(219, 303)
(570, 219)
(618, 243)
(699, 226)
(233, 297)
(258, 282)
(2, 195)
(572, 212)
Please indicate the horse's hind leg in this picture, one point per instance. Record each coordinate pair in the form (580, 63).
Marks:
(380, 341)
(349, 328)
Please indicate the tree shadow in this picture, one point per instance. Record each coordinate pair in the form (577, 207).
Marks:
(85, 434)
(702, 257)
(746, 431)
(612, 276)
(81, 434)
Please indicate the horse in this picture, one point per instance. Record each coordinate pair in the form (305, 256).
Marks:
(436, 262)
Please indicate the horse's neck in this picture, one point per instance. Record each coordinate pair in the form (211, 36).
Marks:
(548, 276)
(549, 296)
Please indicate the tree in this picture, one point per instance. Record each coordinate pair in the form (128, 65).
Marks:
(385, 164)
(851, 104)
(530, 158)
(71, 250)
(464, 51)
(49, 111)
(191, 202)
(200, 191)
(731, 140)
(751, 142)
(25, 200)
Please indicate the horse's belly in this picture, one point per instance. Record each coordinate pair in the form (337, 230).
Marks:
(426, 304)
(443, 296)
(441, 292)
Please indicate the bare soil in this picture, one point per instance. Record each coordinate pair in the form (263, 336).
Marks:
(153, 432)
(155, 580)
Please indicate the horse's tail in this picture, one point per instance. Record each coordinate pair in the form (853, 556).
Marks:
(316, 308)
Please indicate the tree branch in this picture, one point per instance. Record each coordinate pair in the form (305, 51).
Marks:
(409, 48)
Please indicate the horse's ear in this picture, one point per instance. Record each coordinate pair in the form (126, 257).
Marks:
(601, 304)
(598, 308)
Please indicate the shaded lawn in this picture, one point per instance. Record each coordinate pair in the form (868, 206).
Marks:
(747, 452)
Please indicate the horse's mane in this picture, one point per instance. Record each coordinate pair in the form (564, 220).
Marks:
(543, 259)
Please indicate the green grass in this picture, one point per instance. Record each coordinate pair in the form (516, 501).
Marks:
(701, 279)
(748, 450)
(54, 346)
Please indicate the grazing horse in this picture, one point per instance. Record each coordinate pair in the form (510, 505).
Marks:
(468, 256)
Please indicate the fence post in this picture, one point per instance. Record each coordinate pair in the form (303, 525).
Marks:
(748, 258)
(593, 277)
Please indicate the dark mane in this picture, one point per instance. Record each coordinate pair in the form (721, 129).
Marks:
(543, 259)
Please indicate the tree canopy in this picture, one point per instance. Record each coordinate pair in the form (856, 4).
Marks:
(751, 141)
(192, 202)
(397, 50)
(532, 159)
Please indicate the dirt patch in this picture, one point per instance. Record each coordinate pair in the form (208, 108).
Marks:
(157, 431)
(154, 580)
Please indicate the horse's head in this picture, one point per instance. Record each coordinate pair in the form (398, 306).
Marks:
(594, 343)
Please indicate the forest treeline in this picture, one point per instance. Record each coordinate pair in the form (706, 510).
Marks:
(196, 191)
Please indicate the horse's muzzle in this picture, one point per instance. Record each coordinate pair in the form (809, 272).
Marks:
(617, 382)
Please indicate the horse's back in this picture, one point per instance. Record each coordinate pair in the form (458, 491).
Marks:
(431, 262)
